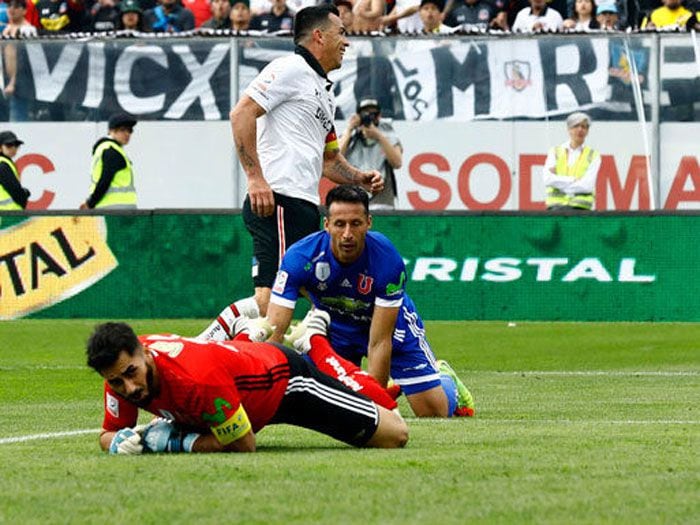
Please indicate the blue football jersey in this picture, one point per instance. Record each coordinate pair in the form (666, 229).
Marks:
(348, 293)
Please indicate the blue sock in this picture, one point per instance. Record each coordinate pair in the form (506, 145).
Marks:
(448, 385)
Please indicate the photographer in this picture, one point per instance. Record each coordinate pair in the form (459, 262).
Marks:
(370, 143)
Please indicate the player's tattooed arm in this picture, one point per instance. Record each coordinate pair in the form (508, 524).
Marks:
(244, 127)
(337, 169)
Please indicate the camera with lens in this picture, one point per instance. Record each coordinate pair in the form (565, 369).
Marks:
(367, 119)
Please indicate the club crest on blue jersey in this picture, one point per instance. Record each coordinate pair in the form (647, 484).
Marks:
(364, 283)
(322, 271)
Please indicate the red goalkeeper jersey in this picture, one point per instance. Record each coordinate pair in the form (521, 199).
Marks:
(203, 384)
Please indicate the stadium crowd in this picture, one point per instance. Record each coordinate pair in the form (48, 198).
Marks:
(29, 18)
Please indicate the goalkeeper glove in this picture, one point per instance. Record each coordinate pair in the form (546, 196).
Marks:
(127, 441)
(162, 436)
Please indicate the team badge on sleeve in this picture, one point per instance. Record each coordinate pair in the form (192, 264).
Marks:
(280, 282)
(112, 404)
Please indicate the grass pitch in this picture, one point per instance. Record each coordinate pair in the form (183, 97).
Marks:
(576, 423)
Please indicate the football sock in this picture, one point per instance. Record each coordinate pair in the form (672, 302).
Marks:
(248, 307)
(220, 328)
(448, 385)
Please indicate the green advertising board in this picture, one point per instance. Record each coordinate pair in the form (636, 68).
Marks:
(473, 267)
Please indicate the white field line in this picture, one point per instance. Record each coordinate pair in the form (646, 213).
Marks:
(583, 373)
(433, 421)
(42, 367)
(47, 435)
(412, 421)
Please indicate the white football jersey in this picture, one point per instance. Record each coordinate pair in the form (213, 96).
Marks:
(297, 125)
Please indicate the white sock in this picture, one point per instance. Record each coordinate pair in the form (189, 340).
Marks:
(220, 328)
(248, 307)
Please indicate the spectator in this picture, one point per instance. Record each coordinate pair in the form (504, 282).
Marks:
(431, 16)
(258, 7)
(104, 16)
(131, 16)
(370, 143)
(279, 18)
(17, 26)
(4, 18)
(169, 17)
(404, 16)
(537, 18)
(582, 19)
(17, 23)
(513, 7)
(297, 5)
(346, 14)
(221, 15)
(60, 16)
(12, 195)
(368, 14)
(240, 15)
(571, 168)
(471, 14)
(201, 9)
(606, 15)
(672, 15)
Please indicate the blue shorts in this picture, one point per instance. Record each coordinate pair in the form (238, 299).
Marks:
(413, 365)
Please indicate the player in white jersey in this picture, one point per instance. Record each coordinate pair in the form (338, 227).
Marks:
(283, 129)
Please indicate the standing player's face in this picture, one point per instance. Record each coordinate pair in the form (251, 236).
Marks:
(347, 223)
(133, 377)
(334, 43)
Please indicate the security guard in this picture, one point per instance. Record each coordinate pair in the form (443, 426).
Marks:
(12, 195)
(112, 172)
(571, 169)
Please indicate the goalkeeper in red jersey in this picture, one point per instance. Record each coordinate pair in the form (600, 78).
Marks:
(216, 396)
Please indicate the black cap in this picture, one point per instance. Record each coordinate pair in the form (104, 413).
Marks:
(436, 3)
(121, 120)
(7, 138)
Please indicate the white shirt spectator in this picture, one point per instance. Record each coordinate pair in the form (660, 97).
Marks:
(411, 23)
(549, 19)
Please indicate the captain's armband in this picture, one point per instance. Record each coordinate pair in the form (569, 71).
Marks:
(235, 427)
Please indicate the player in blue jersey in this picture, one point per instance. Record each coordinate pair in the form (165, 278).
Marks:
(359, 277)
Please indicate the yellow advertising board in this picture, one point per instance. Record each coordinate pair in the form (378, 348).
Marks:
(45, 260)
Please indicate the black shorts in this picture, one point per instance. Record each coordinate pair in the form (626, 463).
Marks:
(293, 219)
(319, 402)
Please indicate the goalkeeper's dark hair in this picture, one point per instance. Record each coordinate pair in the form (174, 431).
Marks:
(107, 342)
(310, 18)
(348, 193)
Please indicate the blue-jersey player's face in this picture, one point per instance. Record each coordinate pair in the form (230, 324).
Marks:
(347, 223)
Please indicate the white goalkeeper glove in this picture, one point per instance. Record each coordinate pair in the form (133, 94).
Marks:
(162, 436)
(127, 441)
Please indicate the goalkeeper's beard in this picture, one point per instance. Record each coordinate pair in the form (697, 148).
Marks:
(144, 401)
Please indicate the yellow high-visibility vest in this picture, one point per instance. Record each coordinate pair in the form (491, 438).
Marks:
(121, 193)
(6, 201)
(556, 197)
